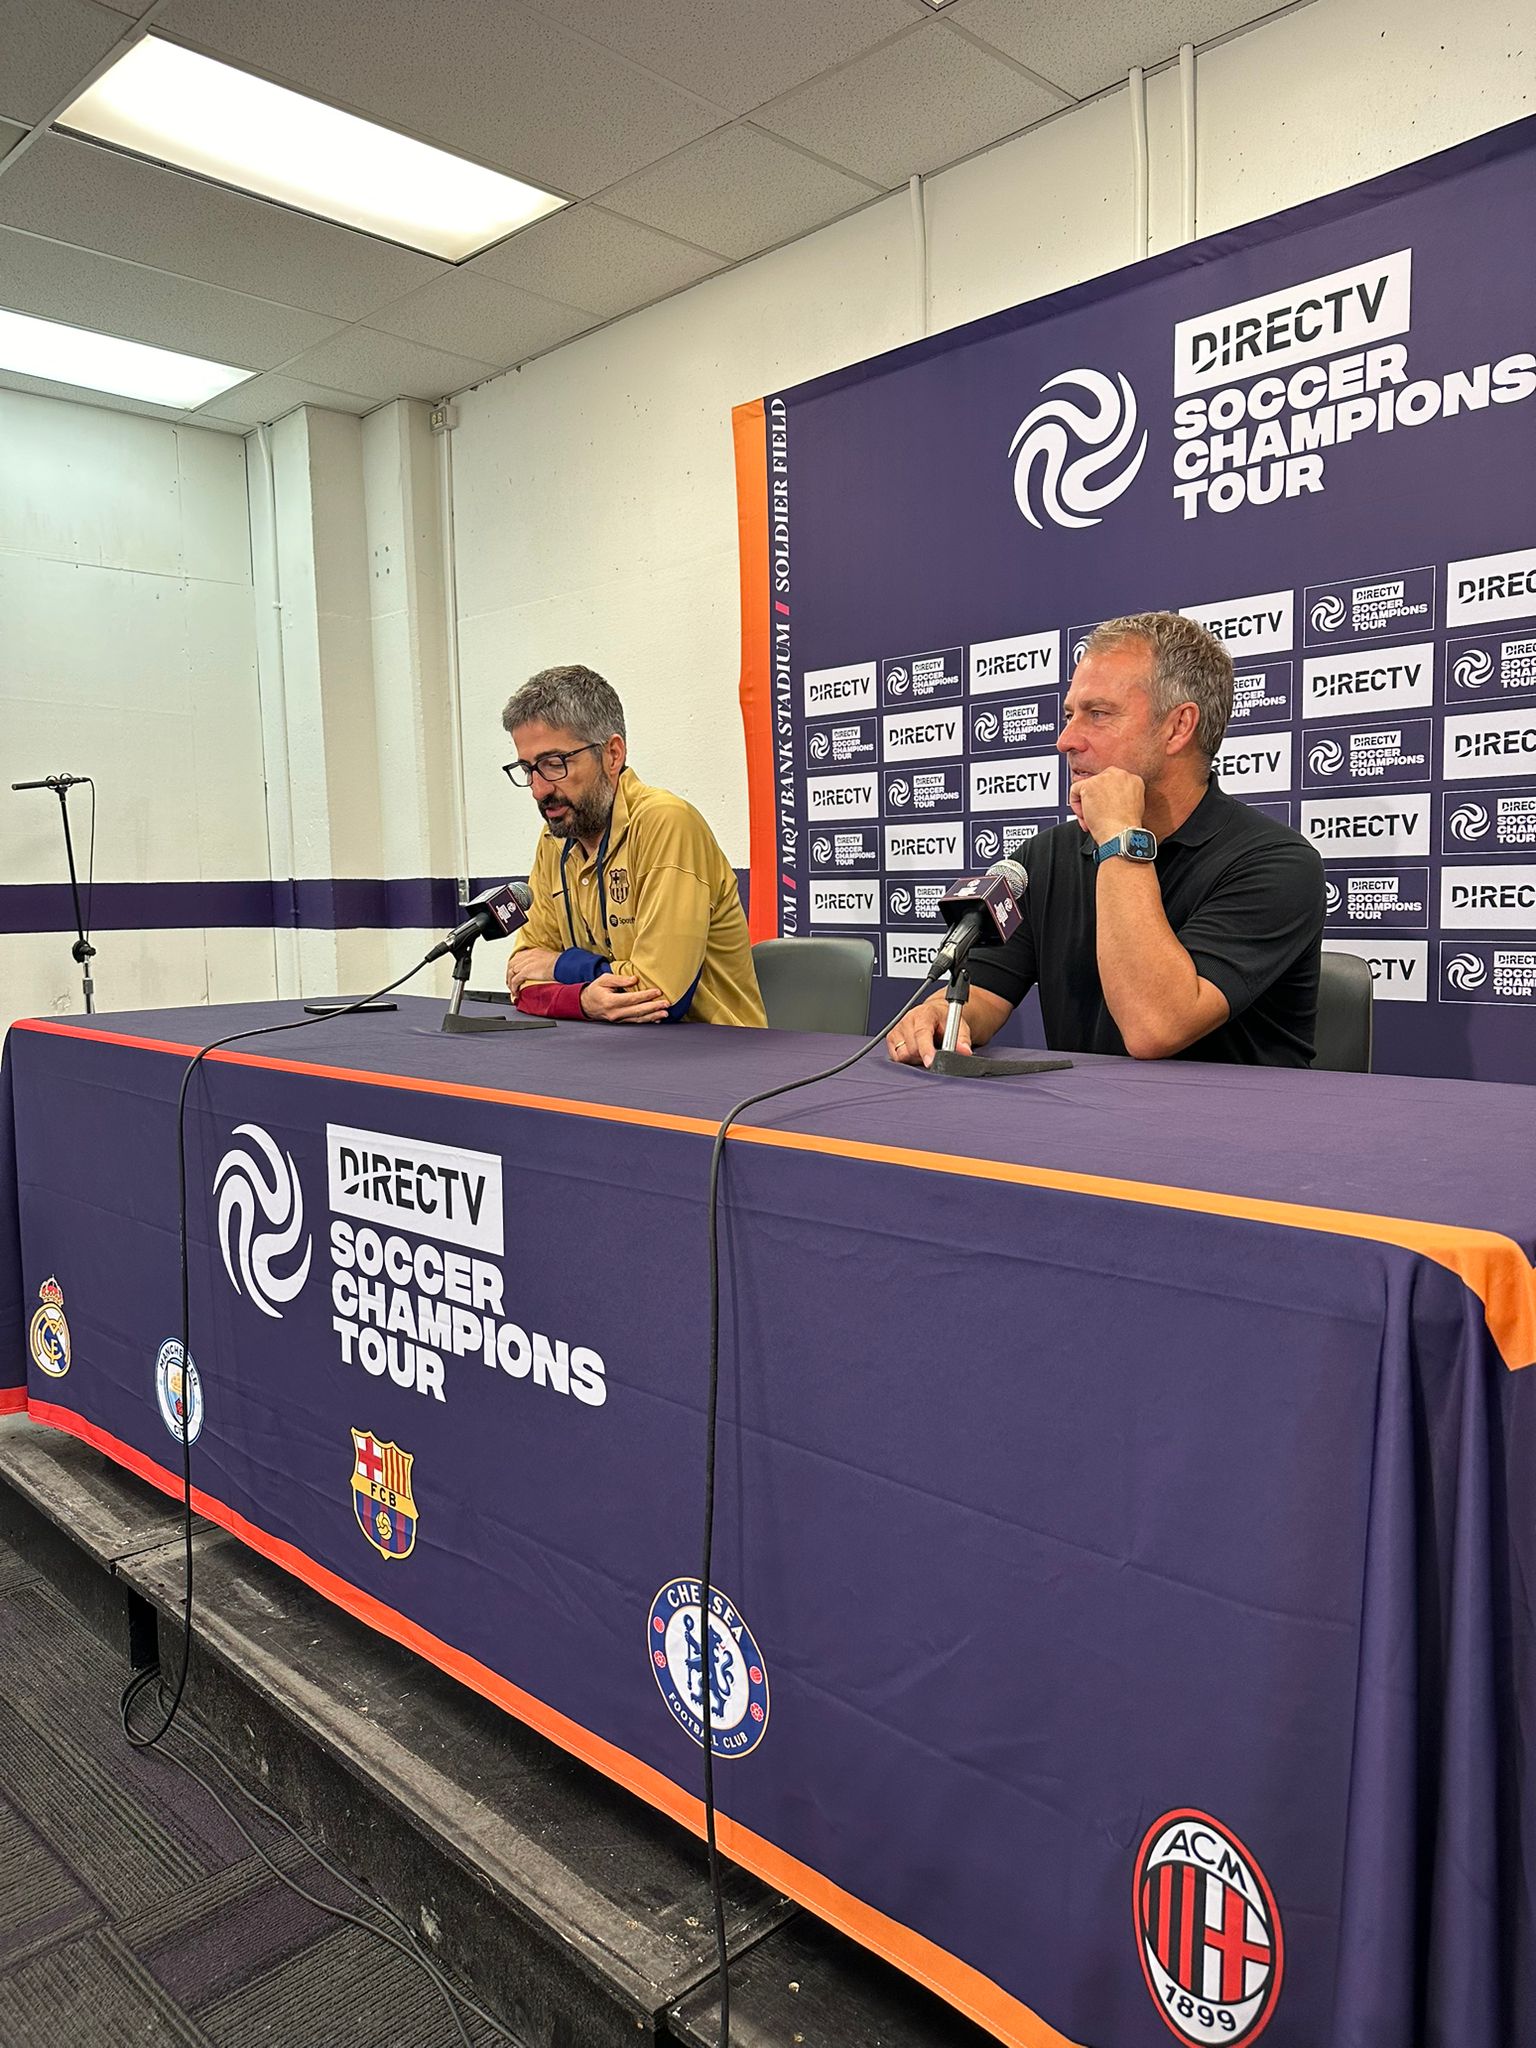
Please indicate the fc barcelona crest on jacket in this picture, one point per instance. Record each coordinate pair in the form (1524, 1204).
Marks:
(381, 1494)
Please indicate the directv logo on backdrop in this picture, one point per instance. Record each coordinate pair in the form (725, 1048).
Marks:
(1489, 743)
(1025, 782)
(1075, 493)
(908, 958)
(1399, 967)
(1246, 626)
(913, 902)
(1381, 753)
(915, 680)
(923, 735)
(841, 796)
(1472, 820)
(1489, 587)
(858, 850)
(839, 689)
(1481, 971)
(1028, 721)
(1500, 896)
(909, 848)
(1346, 309)
(918, 792)
(1263, 695)
(1484, 669)
(1387, 679)
(1077, 640)
(854, 743)
(1370, 827)
(1001, 838)
(1252, 766)
(840, 903)
(1395, 901)
(1015, 664)
(1401, 601)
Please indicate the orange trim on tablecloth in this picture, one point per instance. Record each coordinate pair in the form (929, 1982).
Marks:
(1492, 1266)
(12, 1400)
(963, 1987)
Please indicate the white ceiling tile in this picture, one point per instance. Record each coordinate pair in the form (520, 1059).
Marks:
(913, 106)
(48, 47)
(1094, 43)
(265, 399)
(108, 401)
(481, 76)
(480, 317)
(587, 257)
(736, 53)
(385, 366)
(738, 191)
(112, 297)
(100, 199)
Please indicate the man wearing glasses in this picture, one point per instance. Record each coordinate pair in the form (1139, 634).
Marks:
(636, 916)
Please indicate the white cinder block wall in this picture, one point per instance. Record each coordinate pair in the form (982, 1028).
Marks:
(273, 695)
(595, 500)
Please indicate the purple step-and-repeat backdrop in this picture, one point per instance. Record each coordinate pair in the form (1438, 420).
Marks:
(1317, 435)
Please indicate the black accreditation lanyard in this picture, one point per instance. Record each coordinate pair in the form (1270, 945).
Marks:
(598, 946)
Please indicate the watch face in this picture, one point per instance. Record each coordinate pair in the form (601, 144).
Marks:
(1141, 844)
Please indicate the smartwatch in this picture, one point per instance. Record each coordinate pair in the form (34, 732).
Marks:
(1137, 844)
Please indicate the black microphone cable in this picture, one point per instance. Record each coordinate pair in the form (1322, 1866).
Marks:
(711, 1417)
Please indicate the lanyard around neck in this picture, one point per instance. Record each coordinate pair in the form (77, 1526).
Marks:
(602, 889)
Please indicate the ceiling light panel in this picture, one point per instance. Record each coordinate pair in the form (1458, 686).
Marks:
(176, 107)
(103, 362)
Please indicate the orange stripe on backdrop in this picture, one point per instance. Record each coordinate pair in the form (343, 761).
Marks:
(955, 1981)
(1493, 1267)
(12, 1400)
(749, 431)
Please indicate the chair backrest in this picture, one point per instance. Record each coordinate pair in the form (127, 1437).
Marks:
(1344, 998)
(815, 984)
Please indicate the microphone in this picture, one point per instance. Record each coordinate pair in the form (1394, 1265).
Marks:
(493, 914)
(979, 905)
(53, 782)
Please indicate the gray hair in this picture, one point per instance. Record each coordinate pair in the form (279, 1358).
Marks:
(1188, 667)
(573, 699)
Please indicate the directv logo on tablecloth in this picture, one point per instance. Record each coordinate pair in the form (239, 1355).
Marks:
(1075, 493)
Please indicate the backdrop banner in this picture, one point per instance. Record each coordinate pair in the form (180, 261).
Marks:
(1316, 435)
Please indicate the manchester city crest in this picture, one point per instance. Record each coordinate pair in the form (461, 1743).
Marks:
(178, 1391)
(48, 1338)
(685, 1660)
(381, 1494)
(1208, 1931)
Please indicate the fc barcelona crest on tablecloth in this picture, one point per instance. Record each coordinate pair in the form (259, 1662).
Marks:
(48, 1338)
(1208, 1930)
(381, 1494)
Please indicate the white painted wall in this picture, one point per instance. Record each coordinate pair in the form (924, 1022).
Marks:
(594, 502)
(127, 653)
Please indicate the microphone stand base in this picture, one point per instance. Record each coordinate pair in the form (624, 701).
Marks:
(978, 1067)
(481, 1025)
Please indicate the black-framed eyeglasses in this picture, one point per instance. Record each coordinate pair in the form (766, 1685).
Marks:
(551, 767)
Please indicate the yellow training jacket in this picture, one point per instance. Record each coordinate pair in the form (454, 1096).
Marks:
(658, 900)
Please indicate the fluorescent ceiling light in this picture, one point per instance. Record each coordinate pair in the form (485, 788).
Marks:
(102, 362)
(176, 107)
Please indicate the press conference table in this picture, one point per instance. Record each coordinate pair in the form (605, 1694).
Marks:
(1127, 1510)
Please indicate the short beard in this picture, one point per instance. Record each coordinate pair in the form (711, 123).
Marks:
(588, 815)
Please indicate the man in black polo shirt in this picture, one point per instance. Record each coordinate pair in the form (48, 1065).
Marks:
(1169, 920)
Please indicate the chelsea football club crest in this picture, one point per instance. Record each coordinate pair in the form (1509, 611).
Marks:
(381, 1494)
(684, 1660)
(178, 1391)
(48, 1338)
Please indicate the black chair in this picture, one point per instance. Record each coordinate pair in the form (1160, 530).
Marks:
(1344, 998)
(815, 984)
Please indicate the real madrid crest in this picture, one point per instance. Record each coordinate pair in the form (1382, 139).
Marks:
(48, 1338)
(381, 1494)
